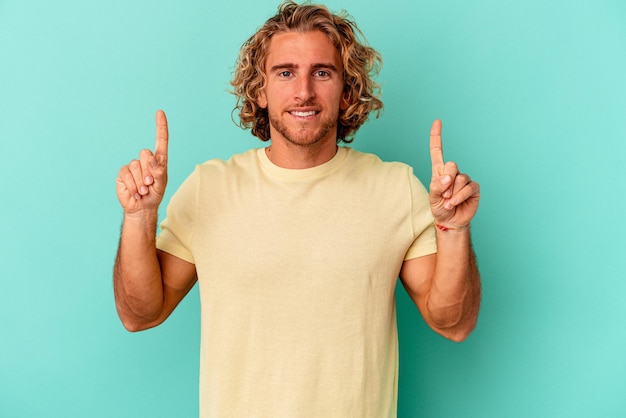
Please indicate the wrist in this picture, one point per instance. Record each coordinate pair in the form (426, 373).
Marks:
(448, 227)
(142, 217)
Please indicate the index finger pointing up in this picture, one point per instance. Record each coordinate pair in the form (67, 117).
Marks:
(161, 134)
(436, 148)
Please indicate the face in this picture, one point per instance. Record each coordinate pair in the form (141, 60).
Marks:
(303, 94)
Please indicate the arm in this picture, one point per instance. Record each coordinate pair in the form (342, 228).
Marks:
(148, 284)
(446, 286)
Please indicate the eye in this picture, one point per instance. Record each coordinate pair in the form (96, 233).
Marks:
(284, 74)
(322, 73)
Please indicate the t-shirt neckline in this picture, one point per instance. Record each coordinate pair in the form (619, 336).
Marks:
(303, 173)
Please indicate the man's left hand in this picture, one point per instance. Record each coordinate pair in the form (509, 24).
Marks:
(453, 195)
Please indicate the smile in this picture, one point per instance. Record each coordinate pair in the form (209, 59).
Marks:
(304, 114)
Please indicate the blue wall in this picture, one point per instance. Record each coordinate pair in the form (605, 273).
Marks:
(533, 98)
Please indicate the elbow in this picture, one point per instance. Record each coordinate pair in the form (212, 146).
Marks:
(455, 322)
(446, 317)
(136, 321)
(136, 313)
(132, 326)
(456, 327)
(458, 338)
(459, 335)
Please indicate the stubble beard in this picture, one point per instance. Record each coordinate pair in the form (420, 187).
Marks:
(304, 136)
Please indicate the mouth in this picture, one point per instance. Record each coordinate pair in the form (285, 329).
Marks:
(303, 113)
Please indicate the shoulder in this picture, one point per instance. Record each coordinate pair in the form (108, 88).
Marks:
(236, 163)
(392, 176)
(372, 163)
(243, 159)
(215, 172)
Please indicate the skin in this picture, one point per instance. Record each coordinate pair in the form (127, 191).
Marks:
(148, 283)
(446, 286)
(303, 96)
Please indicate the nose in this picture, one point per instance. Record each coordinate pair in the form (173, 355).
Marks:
(305, 90)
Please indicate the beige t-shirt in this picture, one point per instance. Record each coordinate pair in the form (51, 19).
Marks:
(297, 271)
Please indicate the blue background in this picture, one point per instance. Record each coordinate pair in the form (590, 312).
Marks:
(533, 98)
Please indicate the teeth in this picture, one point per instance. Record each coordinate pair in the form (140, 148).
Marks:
(304, 114)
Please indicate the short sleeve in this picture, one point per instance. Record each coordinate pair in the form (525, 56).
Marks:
(425, 241)
(178, 226)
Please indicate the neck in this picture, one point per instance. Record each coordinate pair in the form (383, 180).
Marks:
(287, 155)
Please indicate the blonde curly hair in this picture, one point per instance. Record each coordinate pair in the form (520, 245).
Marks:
(360, 63)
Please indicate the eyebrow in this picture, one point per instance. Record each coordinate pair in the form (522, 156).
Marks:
(315, 66)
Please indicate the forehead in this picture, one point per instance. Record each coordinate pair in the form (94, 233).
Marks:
(302, 48)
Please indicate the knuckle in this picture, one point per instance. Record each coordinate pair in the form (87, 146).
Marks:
(451, 169)
(128, 178)
(145, 154)
(129, 183)
(123, 171)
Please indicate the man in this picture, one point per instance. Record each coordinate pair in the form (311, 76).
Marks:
(297, 246)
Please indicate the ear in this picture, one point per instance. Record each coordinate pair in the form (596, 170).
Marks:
(261, 99)
(345, 101)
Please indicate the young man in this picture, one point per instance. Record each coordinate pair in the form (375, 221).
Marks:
(297, 246)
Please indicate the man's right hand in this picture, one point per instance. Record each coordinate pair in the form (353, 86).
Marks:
(140, 185)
